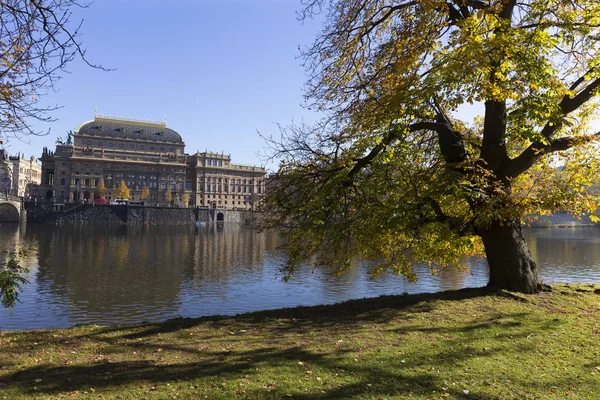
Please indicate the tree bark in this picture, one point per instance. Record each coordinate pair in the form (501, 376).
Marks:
(509, 259)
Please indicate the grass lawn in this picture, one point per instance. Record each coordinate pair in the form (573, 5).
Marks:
(456, 345)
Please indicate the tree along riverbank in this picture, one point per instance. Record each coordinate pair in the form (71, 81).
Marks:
(467, 344)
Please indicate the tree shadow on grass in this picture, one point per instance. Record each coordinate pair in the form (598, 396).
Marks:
(392, 378)
(387, 376)
(347, 313)
(51, 380)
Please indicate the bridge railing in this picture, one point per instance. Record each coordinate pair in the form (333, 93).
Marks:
(11, 197)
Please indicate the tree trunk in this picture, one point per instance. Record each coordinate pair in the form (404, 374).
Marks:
(509, 259)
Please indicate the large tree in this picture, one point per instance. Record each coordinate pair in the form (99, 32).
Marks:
(400, 172)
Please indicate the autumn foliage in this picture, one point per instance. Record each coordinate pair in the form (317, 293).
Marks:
(446, 122)
(122, 191)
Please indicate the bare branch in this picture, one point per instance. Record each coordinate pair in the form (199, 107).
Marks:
(37, 41)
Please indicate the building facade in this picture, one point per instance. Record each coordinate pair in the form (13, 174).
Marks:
(143, 154)
(26, 175)
(217, 182)
(5, 173)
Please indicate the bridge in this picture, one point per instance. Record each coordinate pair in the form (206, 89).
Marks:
(11, 208)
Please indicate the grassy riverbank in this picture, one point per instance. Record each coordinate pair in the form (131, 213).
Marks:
(462, 345)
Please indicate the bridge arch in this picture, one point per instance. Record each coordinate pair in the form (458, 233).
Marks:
(9, 212)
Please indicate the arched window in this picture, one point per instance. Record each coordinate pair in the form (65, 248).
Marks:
(62, 181)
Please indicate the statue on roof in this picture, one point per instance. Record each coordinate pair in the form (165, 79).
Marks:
(70, 137)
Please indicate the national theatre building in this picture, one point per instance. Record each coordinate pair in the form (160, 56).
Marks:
(145, 154)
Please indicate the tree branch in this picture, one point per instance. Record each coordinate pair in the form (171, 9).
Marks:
(450, 141)
(530, 155)
(392, 136)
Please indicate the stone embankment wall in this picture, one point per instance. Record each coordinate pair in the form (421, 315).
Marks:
(120, 214)
(89, 214)
(560, 219)
(160, 215)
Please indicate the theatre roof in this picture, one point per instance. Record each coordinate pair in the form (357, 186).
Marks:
(125, 128)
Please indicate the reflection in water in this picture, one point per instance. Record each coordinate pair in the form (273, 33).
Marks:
(100, 274)
(567, 254)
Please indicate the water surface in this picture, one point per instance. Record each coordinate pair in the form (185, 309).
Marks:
(100, 274)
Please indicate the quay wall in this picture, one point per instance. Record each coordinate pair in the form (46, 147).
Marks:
(560, 220)
(126, 214)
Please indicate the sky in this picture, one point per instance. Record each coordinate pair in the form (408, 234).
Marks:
(220, 71)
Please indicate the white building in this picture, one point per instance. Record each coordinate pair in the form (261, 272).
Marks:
(26, 175)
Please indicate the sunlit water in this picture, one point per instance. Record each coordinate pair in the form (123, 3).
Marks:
(98, 274)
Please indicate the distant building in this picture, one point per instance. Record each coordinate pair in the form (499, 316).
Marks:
(217, 182)
(5, 173)
(145, 154)
(26, 175)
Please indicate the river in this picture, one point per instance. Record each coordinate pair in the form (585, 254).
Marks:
(92, 274)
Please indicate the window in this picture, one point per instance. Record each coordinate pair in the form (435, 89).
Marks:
(87, 181)
(99, 143)
(88, 142)
(163, 185)
(131, 146)
(152, 148)
(121, 145)
(62, 181)
(220, 163)
(142, 147)
(111, 145)
(108, 180)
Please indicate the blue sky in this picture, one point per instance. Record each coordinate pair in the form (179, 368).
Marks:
(219, 70)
